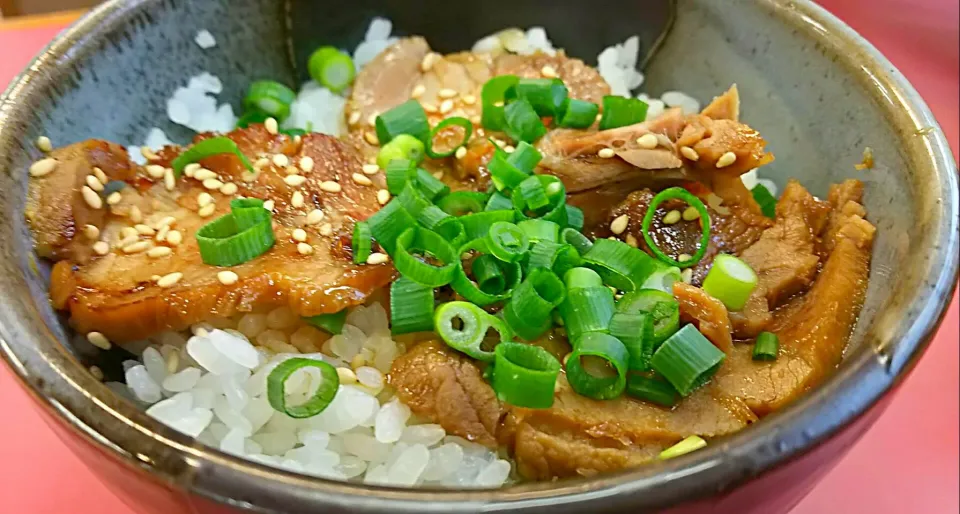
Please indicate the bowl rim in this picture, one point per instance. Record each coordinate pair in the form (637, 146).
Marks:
(142, 443)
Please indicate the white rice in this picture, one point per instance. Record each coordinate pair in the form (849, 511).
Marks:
(205, 39)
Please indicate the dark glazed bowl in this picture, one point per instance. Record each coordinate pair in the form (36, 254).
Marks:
(813, 87)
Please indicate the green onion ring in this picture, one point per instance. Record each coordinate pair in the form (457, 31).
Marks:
(470, 336)
(468, 289)
(238, 237)
(453, 120)
(207, 148)
(507, 241)
(608, 348)
(524, 375)
(420, 239)
(320, 400)
(681, 194)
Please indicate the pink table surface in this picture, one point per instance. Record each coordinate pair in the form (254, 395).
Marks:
(908, 462)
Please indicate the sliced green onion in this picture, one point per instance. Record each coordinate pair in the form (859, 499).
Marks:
(684, 447)
(361, 242)
(499, 202)
(507, 241)
(553, 256)
(403, 146)
(540, 230)
(533, 194)
(538, 194)
(269, 97)
(398, 172)
(411, 307)
(604, 376)
(663, 279)
(388, 223)
(459, 203)
(687, 359)
(574, 217)
(635, 330)
(678, 193)
(413, 199)
(463, 326)
(208, 148)
(548, 97)
(416, 239)
(276, 393)
(731, 281)
(525, 375)
(477, 225)
(528, 311)
(525, 158)
(331, 68)
(251, 117)
(332, 323)
(766, 200)
(522, 122)
(492, 98)
(453, 120)
(294, 132)
(238, 237)
(619, 111)
(407, 118)
(487, 274)
(766, 347)
(662, 306)
(505, 176)
(652, 390)
(621, 265)
(449, 227)
(577, 240)
(581, 277)
(579, 114)
(468, 289)
(586, 309)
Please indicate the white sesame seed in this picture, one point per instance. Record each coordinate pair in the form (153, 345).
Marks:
(162, 233)
(371, 138)
(229, 189)
(548, 72)
(438, 174)
(136, 215)
(207, 210)
(170, 280)
(326, 229)
(212, 184)
(372, 119)
(144, 230)
(99, 340)
(44, 144)
(383, 196)
(261, 162)
(619, 224)
(169, 179)
(91, 197)
(268, 205)
(354, 117)
(684, 257)
(361, 179)
(315, 216)
(631, 240)
(154, 278)
(94, 184)
(371, 169)
(306, 163)
(281, 160)
(292, 170)
(204, 199)
(689, 153)
(271, 125)
(428, 61)
(248, 176)
(204, 174)
(227, 277)
(191, 168)
(101, 248)
(446, 106)
(43, 167)
(691, 213)
(129, 239)
(296, 199)
(166, 221)
(299, 235)
(671, 217)
(294, 180)
(648, 141)
(418, 91)
(377, 258)
(159, 251)
(687, 275)
(606, 153)
(101, 176)
(154, 170)
(304, 249)
(129, 232)
(114, 198)
(475, 119)
(469, 99)
(461, 152)
(137, 247)
(447, 93)
(148, 153)
(726, 160)
(330, 186)
(509, 149)
(91, 232)
(174, 237)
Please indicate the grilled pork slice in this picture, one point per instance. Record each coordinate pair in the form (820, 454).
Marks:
(128, 266)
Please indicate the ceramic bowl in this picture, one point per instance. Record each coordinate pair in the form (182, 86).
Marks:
(816, 90)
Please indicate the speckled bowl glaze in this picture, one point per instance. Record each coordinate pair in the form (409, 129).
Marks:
(816, 90)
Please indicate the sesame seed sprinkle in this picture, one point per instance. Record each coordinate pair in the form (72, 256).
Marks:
(101, 248)
(691, 213)
(91, 232)
(619, 224)
(44, 144)
(212, 184)
(299, 235)
(428, 60)
(430, 108)
(418, 91)
(371, 138)
(315, 216)
(204, 199)
(154, 170)
(170, 279)
(461, 152)
(281, 160)
(383, 196)
(330, 186)
(94, 184)
(169, 179)
(689, 153)
(726, 160)
(548, 72)
(371, 169)
(377, 258)
(229, 189)
(671, 217)
(91, 197)
(43, 167)
(294, 180)
(648, 141)
(227, 277)
(271, 125)
(469, 99)
(361, 179)
(159, 251)
(101, 176)
(148, 153)
(296, 199)
(174, 237)
(446, 106)
(136, 215)
(114, 198)
(326, 229)
(606, 153)
(268, 205)
(207, 210)
(137, 247)
(304, 249)
(144, 230)
(354, 117)
(447, 93)
(306, 163)
(191, 168)
(99, 340)
(204, 174)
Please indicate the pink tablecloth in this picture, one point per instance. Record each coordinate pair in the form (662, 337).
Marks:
(907, 463)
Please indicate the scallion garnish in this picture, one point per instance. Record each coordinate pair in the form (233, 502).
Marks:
(731, 281)
(579, 114)
(621, 265)
(577, 240)
(460, 203)
(619, 111)
(652, 390)
(238, 237)
(269, 97)
(540, 230)
(538, 196)
(557, 257)
(635, 330)
(420, 240)
(678, 193)
(663, 279)
(766, 347)
(581, 277)
(449, 227)
(507, 241)
(411, 307)
(477, 225)
(524, 375)
(332, 323)
(413, 199)
(684, 447)
(458, 121)
(522, 121)
(548, 97)
(528, 311)
(492, 97)
(662, 307)
(331, 68)
(525, 158)
(407, 118)
(574, 217)
(403, 146)
(586, 309)
(468, 289)
(398, 172)
(463, 326)
(487, 274)
(249, 117)
(431, 186)
(388, 223)
(597, 367)
(361, 242)
(766, 200)
(276, 393)
(504, 175)
(208, 148)
(499, 202)
(687, 359)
